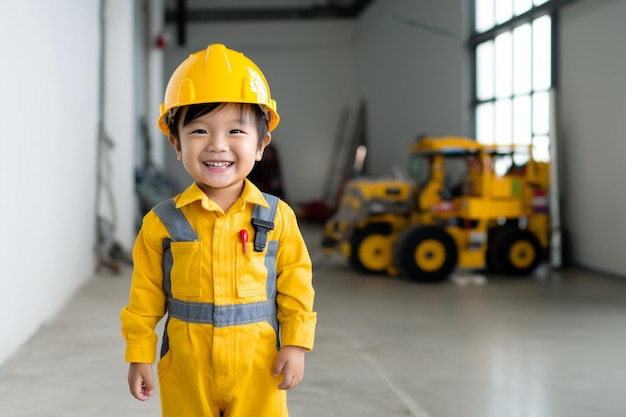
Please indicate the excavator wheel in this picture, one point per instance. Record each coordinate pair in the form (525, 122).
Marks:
(490, 256)
(371, 249)
(426, 254)
(514, 251)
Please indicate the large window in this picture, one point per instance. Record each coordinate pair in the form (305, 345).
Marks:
(512, 50)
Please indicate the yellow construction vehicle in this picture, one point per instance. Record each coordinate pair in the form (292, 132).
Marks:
(466, 205)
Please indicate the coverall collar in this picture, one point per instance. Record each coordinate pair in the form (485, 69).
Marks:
(250, 195)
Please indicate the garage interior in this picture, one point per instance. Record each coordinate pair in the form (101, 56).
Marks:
(548, 344)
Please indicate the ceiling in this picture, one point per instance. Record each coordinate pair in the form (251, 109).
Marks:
(182, 12)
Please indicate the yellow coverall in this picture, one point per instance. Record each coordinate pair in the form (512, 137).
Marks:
(208, 370)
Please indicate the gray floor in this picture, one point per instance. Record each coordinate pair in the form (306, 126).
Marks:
(548, 346)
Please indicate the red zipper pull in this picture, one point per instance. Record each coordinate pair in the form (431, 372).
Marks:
(243, 234)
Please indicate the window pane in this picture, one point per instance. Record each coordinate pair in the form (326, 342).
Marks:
(484, 71)
(513, 77)
(521, 59)
(504, 62)
(521, 6)
(503, 123)
(502, 164)
(484, 15)
(504, 11)
(542, 53)
(522, 134)
(520, 159)
(541, 113)
(484, 123)
(541, 148)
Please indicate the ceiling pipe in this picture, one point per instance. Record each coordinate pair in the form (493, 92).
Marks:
(332, 10)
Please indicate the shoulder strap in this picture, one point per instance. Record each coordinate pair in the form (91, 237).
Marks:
(177, 224)
(180, 230)
(263, 221)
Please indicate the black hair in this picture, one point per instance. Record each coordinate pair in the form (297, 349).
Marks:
(198, 110)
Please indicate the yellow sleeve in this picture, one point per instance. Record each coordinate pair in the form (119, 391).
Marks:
(295, 293)
(147, 301)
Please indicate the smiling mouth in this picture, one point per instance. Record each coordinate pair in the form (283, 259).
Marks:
(220, 164)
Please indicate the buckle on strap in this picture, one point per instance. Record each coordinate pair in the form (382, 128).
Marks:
(262, 227)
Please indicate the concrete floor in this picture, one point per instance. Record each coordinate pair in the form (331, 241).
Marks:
(548, 346)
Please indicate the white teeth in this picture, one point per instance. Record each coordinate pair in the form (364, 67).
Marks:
(217, 164)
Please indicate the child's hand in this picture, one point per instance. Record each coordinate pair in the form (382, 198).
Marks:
(140, 380)
(289, 362)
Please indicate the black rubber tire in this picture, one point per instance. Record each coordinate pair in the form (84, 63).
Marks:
(490, 256)
(370, 251)
(514, 252)
(426, 254)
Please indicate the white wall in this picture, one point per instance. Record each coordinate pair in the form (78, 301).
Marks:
(49, 113)
(592, 131)
(121, 115)
(48, 84)
(148, 60)
(411, 67)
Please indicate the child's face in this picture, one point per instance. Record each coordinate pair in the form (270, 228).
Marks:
(219, 149)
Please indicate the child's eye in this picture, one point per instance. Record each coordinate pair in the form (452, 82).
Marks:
(199, 132)
(235, 131)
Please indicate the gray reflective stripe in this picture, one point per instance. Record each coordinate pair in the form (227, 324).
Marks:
(222, 315)
(175, 221)
(266, 213)
(165, 343)
(168, 261)
(270, 265)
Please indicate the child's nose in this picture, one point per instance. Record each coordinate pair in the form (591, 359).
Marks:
(217, 143)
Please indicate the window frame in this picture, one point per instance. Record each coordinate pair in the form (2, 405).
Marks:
(550, 8)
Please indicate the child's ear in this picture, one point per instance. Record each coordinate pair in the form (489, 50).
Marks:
(266, 141)
(176, 144)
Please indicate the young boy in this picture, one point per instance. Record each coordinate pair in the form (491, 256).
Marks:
(234, 278)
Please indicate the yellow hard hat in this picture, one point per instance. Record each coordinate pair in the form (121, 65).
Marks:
(217, 75)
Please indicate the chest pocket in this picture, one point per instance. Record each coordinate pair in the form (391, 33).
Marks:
(182, 254)
(256, 271)
(187, 261)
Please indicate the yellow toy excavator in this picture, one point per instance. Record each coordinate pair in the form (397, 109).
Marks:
(466, 205)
